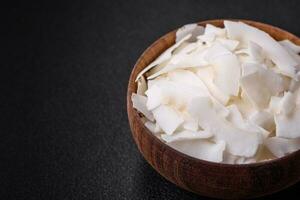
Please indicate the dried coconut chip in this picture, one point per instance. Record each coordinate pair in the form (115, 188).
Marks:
(245, 33)
(231, 45)
(227, 74)
(167, 118)
(164, 56)
(263, 119)
(260, 85)
(281, 146)
(153, 127)
(181, 61)
(201, 149)
(139, 103)
(240, 142)
(288, 126)
(288, 44)
(206, 75)
(193, 29)
(186, 135)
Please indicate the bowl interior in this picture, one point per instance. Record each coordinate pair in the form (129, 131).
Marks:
(159, 46)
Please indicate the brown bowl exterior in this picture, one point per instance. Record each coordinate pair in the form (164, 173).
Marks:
(203, 177)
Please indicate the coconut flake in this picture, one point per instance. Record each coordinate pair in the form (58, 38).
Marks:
(263, 119)
(164, 56)
(173, 93)
(288, 126)
(260, 85)
(239, 142)
(253, 87)
(192, 29)
(155, 97)
(186, 77)
(191, 125)
(209, 29)
(295, 56)
(207, 38)
(226, 69)
(153, 127)
(207, 76)
(167, 118)
(185, 48)
(256, 52)
(231, 45)
(227, 74)
(288, 44)
(236, 118)
(281, 146)
(245, 33)
(139, 103)
(215, 51)
(274, 105)
(201, 149)
(186, 135)
(182, 61)
(287, 104)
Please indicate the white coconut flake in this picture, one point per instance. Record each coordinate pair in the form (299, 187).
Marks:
(287, 104)
(186, 77)
(260, 85)
(207, 38)
(153, 127)
(207, 76)
(185, 48)
(245, 33)
(214, 52)
(167, 118)
(281, 146)
(227, 74)
(139, 103)
(288, 126)
(190, 125)
(173, 93)
(239, 142)
(164, 56)
(231, 45)
(201, 149)
(236, 118)
(221, 32)
(256, 52)
(193, 29)
(186, 135)
(155, 97)
(274, 105)
(288, 44)
(263, 119)
(258, 94)
(181, 61)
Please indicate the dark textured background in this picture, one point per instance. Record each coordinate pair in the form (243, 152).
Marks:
(64, 72)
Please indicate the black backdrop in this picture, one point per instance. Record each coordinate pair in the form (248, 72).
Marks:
(64, 72)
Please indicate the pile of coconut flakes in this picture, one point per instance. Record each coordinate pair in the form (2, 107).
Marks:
(227, 95)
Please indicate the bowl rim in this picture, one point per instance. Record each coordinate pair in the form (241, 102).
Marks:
(169, 148)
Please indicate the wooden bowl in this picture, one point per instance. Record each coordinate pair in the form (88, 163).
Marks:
(203, 177)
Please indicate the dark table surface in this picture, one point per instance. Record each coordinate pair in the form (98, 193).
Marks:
(64, 72)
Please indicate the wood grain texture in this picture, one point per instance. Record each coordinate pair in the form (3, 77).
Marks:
(203, 177)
